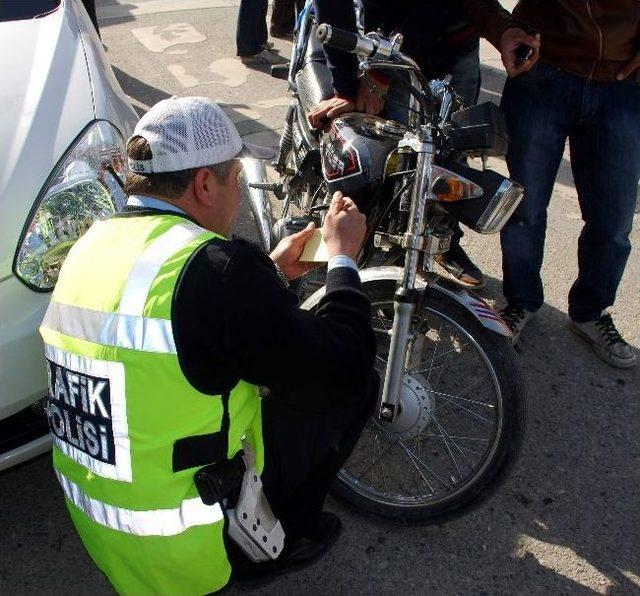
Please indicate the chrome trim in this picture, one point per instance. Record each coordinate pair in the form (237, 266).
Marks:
(500, 208)
(255, 172)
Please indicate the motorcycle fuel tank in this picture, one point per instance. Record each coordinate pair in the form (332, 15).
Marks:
(354, 154)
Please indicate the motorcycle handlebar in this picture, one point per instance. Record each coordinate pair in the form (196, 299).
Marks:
(347, 41)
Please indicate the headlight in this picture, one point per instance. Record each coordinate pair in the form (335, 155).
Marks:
(85, 185)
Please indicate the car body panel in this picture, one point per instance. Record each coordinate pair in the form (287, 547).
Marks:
(115, 106)
(56, 80)
(46, 100)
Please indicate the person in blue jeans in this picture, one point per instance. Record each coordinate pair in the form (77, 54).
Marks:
(251, 33)
(442, 36)
(598, 110)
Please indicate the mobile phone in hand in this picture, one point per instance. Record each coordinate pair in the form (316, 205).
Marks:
(523, 53)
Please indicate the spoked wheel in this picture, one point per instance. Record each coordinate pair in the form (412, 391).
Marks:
(460, 418)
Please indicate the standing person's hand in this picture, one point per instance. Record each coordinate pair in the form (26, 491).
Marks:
(371, 95)
(510, 42)
(629, 68)
(328, 109)
(286, 255)
(344, 227)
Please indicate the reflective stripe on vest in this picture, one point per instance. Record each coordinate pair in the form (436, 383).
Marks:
(149, 263)
(155, 522)
(143, 334)
(127, 328)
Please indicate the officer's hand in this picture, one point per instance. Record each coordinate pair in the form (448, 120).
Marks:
(344, 227)
(510, 41)
(328, 109)
(289, 250)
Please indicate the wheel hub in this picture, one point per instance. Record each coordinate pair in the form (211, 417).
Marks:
(414, 408)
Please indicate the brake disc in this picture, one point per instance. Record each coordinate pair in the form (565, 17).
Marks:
(414, 408)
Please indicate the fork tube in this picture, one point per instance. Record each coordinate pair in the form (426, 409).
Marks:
(406, 297)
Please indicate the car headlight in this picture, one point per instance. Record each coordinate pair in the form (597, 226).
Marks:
(85, 185)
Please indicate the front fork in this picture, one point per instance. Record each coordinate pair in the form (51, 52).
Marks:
(407, 296)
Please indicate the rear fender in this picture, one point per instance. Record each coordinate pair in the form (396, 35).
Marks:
(484, 313)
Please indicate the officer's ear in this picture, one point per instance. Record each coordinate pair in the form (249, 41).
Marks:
(205, 187)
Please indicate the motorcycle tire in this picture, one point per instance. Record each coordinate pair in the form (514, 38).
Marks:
(498, 355)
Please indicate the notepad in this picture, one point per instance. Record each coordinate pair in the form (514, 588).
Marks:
(315, 250)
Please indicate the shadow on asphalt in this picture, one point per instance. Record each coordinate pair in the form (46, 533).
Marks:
(568, 507)
(148, 95)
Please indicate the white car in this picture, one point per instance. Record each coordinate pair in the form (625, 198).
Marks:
(64, 121)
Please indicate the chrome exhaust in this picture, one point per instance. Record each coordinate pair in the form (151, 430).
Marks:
(255, 172)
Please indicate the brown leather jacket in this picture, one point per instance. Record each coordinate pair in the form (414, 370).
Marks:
(590, 38)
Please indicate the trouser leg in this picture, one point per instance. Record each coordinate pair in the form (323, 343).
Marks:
(283, 15)
(465, 76)
(251, 28)
(605, 158)
(538, 109)
(90, 6)
(465, 73)
(304, 451)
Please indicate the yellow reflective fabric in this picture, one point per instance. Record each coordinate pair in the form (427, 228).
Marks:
(119, 401)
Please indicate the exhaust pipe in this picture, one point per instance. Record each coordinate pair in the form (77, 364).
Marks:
(255, 172)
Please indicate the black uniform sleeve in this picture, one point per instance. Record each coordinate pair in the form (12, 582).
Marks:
(234, 319)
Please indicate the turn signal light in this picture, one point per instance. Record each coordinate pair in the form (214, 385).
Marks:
(450, 187)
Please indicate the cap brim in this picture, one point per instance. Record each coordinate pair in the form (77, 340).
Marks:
(252, 151)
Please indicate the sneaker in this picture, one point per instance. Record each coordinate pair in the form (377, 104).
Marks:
(606, 341)
(262, 57)
(461, 268)
(517, 319)
(300, 549)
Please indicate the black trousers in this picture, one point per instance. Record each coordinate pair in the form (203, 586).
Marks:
(90, 6)
(283, 15)
(304, 449)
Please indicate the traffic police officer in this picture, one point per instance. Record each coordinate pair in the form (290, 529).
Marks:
(158, 333)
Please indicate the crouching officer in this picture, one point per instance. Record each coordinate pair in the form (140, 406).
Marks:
(158, 333)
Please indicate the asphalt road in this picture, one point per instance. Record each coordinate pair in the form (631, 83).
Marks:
(566, 521)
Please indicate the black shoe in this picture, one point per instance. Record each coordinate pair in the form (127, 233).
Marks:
(300, 549)
(286, 35)
(457, 263)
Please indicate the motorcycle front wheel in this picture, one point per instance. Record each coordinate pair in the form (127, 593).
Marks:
(460, 422)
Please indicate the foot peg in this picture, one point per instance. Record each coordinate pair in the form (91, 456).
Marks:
(276, 189)
(280, 71)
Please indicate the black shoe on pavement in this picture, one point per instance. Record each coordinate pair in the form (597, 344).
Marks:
(300, 550)
(457, 263)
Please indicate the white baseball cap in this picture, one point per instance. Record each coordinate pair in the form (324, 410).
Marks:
(185, 133)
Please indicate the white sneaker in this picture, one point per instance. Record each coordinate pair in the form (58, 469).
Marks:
(517, 319)
(605, 341)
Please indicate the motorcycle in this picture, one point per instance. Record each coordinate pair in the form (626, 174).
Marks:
(451, 411)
